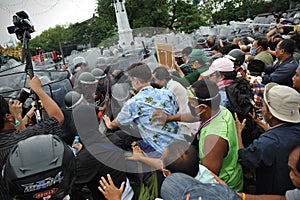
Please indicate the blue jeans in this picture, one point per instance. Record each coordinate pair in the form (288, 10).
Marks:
(178, 185)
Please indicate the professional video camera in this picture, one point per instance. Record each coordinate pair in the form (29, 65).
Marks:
(21, 25)
(22, 28)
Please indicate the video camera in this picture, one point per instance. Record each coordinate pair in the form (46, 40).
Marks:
(21, 24)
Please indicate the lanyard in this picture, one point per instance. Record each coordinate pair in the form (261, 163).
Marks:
(207, 122)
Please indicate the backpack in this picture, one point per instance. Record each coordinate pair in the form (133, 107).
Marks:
(241, 102)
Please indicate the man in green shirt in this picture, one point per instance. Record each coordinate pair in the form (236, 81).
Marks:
(216, 140)
(259, 51)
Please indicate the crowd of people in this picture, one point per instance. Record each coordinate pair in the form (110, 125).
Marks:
(222, 123)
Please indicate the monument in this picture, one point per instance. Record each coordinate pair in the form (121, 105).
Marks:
(124, 30)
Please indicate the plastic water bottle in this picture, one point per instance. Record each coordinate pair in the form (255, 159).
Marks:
(75, 143)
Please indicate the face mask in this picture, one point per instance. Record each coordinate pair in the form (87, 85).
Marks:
(253, 51)
(193, 112)
(17, 123)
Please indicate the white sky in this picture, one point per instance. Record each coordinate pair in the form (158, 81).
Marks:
(44, 14)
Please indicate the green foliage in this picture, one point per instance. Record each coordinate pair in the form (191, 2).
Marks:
(147, 13)
(219, 11)
(185, 17)
(49, 39)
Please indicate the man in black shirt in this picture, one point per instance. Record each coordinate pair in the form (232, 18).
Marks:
(9, 136)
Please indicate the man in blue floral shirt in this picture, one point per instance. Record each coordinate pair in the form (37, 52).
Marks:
(138, 110)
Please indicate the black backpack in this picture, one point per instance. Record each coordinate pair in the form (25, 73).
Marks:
(241, 102)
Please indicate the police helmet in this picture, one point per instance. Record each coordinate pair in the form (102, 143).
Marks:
(87, 78)
(40, 167)
(73, 99)
(98, 73)
(79, 60)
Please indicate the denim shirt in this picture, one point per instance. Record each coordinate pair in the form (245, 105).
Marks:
(139, 110)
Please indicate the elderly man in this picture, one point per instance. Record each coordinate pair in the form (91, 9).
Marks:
(269, 153)
(285, 67)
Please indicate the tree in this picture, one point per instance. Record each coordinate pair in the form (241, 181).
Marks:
(219, 11)
(185, 17)
(145, 13)
(105, 25)
(49, 39)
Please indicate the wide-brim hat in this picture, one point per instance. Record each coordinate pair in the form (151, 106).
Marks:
(283, 102)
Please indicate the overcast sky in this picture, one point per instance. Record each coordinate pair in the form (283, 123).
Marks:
(44, 14)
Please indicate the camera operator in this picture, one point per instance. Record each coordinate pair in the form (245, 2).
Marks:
(9, 136)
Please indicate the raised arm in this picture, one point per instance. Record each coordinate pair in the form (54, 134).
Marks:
(49, 104)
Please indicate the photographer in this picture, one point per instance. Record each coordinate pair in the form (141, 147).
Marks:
(11, 111)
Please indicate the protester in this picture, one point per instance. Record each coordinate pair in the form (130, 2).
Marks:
(222, 72)
(173, 188)
(178, 186)
(199, 63)
(296, 79)
(186, 67)
(216, 140)
(285, 67)
(237, 56)
(259, 51)
(269, 153)
(256, 68)
(163, 78)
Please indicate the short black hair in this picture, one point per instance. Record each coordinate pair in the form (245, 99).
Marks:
(288, 46)
(257, 66)
(187, 51)
(206, 89)
(263, 42)
(4, 109)
(162, 73)
(182, 157)
(229, 75)
(141, 71)
(227, 48)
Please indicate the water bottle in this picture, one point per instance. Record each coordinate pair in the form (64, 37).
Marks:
(75, 143)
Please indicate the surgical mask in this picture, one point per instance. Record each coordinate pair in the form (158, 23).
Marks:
(253, 51)
(17, 123)
(193, 112)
